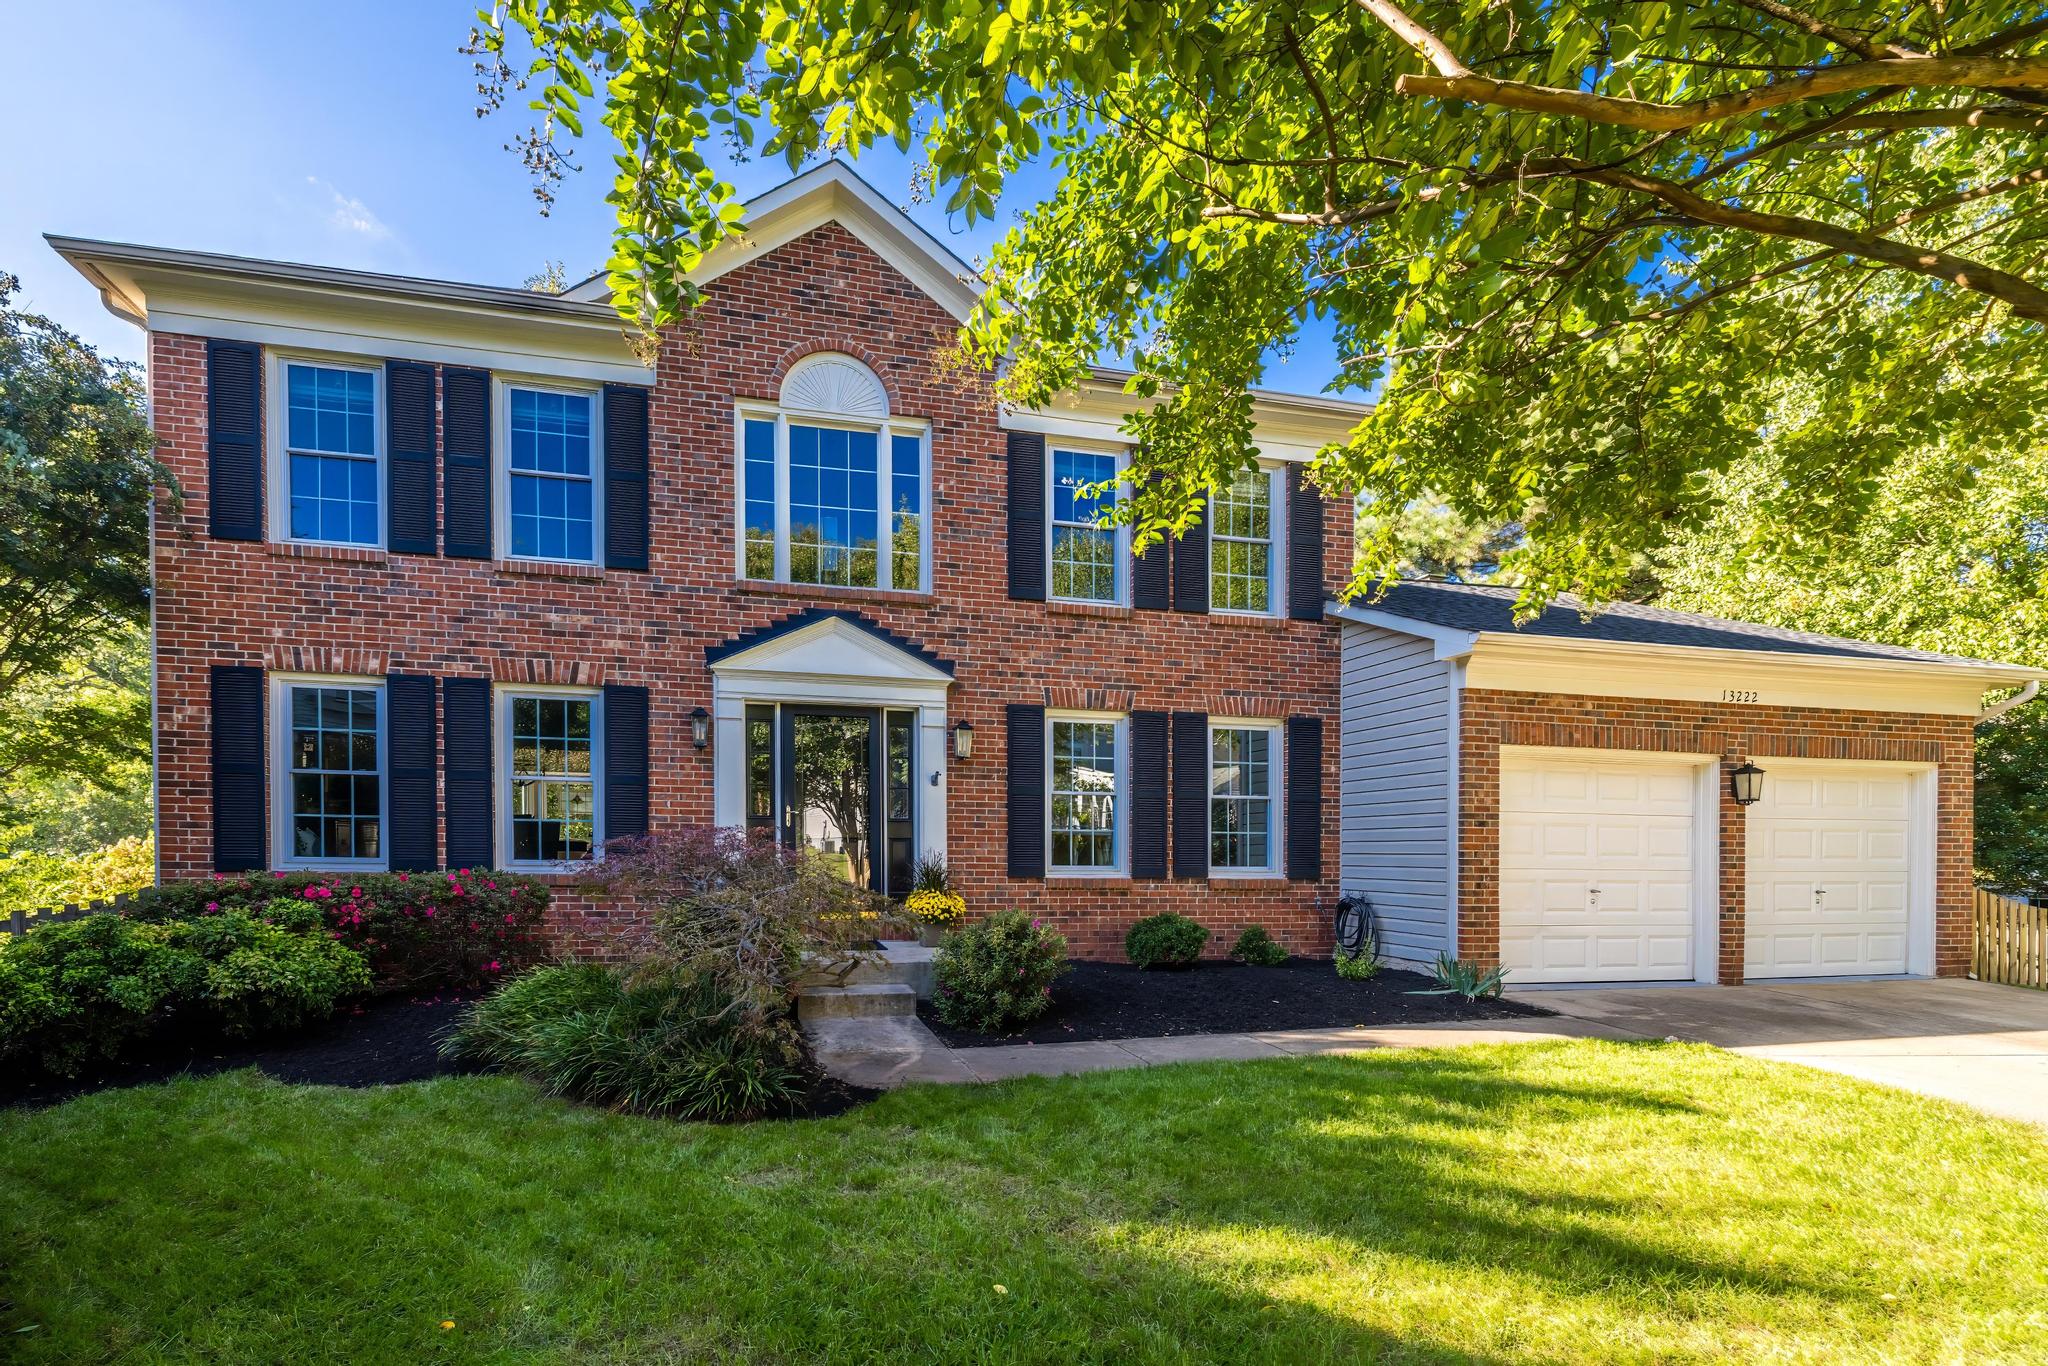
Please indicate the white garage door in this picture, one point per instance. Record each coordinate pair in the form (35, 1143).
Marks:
(1596, 869)
(1828, 884)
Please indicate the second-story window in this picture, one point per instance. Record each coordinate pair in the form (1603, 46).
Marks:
(1086, 565)
(1241, 541)
(331, 450)
(831, 489)
(552, 474)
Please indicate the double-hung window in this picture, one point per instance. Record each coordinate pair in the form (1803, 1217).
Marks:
(1244, 758)
(1087, 563)
(1243, 534)
(552, 782)
(331, 799)
(552, 461)
(832, 503)
(332, 448)
(1086, 794)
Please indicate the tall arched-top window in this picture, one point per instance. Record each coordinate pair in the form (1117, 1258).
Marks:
(833, 488)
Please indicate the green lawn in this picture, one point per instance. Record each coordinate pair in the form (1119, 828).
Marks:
(1532, 1203)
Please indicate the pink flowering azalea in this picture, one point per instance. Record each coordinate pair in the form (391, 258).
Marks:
(213, 905)
(491, 966)
(405, 877)
(356, 892)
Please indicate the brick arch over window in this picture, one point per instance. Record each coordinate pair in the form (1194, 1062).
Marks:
(846, 346)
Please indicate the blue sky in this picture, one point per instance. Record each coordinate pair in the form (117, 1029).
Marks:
(340, 135)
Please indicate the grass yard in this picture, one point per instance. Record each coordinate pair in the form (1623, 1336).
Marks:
(1532, 1203)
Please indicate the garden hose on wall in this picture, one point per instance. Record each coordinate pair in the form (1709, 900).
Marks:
(1354, 923)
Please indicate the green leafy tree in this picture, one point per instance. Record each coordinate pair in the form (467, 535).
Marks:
(1573, 243)
(77, 478)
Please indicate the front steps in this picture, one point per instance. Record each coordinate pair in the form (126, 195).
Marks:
(884, 985)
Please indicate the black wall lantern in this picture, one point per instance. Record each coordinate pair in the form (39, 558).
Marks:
(963, 741)
(700, 728)
(1746, 784)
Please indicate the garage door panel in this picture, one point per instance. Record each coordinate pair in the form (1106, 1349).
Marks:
(1596, 869)
(1829, 874)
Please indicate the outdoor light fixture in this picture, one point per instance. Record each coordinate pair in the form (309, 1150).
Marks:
(963, 741)
(700, 728)
(1746, 784)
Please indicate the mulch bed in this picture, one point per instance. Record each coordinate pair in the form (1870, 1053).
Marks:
(381, 1042)
(1117, 1001)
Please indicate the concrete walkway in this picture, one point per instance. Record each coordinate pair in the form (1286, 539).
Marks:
(1972, 1042)
(896, 1051)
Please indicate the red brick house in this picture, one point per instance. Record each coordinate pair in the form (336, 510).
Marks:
(459, 580)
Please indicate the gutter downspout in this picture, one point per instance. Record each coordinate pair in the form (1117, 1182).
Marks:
(1997, 710)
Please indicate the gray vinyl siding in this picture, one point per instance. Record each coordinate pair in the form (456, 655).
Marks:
(1397, 847)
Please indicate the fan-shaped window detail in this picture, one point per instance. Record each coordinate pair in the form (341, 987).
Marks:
(834, 383)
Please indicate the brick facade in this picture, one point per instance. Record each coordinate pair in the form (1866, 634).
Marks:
(279, 607)
(1490, 719)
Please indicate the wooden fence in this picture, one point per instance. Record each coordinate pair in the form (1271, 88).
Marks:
(2012, 942)
(21, 922)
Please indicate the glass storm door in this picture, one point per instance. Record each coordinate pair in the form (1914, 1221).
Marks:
(831, 800)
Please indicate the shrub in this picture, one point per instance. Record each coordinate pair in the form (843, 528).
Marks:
(1258, 948)
(454, 930)
(1457, 977)
(34, 880)
(997, 975)
(1165, 940)
(664, 1043)
(87, 990)
(1360, 966)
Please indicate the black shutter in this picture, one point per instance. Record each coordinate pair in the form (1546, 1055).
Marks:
(466, 771)
(1152, 577)
(1027, 522)
(409, 482)
(625, 477)
(1190, 794)
(1148, 794)
(625, 761)
(1191, 567)
(234, 441)
(411, 751)
(1304, 547)
(240, 825)
(1305, 798)
(1024, 747)
(466, 461)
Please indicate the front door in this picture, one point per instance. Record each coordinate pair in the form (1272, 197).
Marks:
(843, 777)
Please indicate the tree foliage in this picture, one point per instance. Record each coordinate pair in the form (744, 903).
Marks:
(1572, 242)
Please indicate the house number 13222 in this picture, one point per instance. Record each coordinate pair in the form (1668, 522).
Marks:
(1737, 695)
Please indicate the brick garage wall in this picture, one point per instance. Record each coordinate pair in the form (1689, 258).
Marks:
(1490, 719)
(227, 602)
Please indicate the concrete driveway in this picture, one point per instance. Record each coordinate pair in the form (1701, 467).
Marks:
(1965, 1041)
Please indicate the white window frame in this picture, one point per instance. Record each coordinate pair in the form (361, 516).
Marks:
(502, 386)
(1120, 533)
(281, 685)
(1276, 547)
(502, 697)
(1120, 826)
(277, 445)
(885, 430)
(1276, 759)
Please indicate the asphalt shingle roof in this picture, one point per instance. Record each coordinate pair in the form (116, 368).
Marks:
(1483, 607)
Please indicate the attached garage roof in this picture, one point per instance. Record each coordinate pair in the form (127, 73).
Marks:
(1487, 608)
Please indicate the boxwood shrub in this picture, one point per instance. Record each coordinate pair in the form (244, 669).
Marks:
(996, 976)
(1165, 940)
(87, 991)
(418, 931)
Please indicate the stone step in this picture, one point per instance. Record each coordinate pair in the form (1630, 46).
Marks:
(897, 962)
(860, 1002)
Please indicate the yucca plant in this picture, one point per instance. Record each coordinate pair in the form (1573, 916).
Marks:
(1456, 977)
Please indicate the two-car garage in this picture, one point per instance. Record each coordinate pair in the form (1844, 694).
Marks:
(1560, 795)
(1610, 868)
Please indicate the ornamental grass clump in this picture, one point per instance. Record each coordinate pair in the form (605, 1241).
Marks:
(997, 976)
(1165, 940)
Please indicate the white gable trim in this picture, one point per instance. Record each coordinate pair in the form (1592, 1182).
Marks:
(832, 659)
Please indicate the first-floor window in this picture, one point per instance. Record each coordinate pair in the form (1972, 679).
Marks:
(1241, 761)
(335, 753)
(1086, 780)
(553, 800)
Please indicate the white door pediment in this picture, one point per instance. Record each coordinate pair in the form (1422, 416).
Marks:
(833, 647)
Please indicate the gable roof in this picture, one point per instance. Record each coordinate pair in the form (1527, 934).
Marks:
(1489, 609)
(831, 192)
(729, 650)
